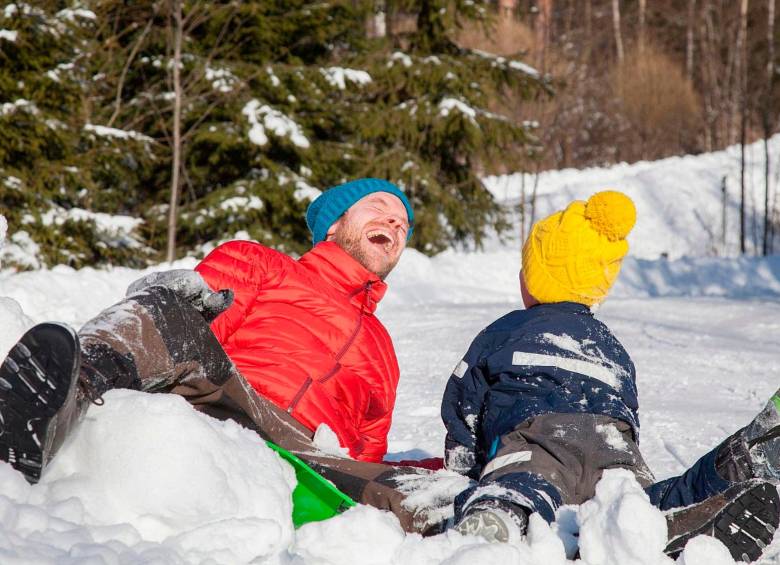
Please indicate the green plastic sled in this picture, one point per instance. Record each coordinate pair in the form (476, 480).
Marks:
(315, 498)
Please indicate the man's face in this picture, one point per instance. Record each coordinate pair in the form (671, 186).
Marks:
(373, 231)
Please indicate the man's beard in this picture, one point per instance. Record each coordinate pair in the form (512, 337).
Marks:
(350, 239)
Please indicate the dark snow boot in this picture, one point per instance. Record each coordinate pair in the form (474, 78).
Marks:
(37, 396)
(744, 518)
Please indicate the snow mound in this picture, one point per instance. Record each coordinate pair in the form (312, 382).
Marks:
(619, 525)
(705, 550)
(15, 322)
(146, 473)
(73, 296)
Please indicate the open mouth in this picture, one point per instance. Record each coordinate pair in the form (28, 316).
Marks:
(381, 238)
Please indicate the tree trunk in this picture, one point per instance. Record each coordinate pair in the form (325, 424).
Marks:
(714, 80)
(176, 166)
(522, 207)
(723, 201)
(616, 27)
(588, 23)
(543, 21)
(740, 69)
(376, 22)
(742, 81)
(642, 19)
(689, 43)
(390, 10)
(770, 71)
(533, 198)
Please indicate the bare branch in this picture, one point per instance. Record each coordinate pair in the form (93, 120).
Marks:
(128, 62)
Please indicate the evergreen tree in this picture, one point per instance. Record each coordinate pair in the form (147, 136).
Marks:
(56, 170)
(280, 100)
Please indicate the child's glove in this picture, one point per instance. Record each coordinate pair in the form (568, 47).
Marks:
(190, 287)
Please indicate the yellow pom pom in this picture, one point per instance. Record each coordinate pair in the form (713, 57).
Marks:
(611, 213)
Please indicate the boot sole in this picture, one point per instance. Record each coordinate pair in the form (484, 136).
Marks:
(486, 525)
(745, 525)
(36, 378)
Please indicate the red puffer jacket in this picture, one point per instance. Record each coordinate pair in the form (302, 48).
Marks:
(303, 333)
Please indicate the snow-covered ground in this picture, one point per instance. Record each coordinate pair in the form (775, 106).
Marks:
(148, 480)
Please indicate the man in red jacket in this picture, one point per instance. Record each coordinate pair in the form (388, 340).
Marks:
(299, 333)
(303, 333)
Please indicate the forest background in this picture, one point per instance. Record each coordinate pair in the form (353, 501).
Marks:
(134, 131)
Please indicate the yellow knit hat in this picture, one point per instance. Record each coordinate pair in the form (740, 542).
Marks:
(575, 255)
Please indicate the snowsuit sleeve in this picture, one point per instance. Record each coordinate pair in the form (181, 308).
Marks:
(461, 409)
(244, 267)
(374, 435)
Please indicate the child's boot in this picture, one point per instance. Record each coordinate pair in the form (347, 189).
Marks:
(744, 518)
(494, 520)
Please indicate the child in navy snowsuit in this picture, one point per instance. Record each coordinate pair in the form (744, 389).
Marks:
(545, 399)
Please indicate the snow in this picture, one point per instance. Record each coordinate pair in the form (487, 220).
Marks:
(54, 74)
(222, 80)
(327, 441)
(14, 183)
(13, 9)
(449, 104)
(499, 61)
(304, 190)
(104, 131)
(619, 525)
(263, 118)
(10, 107)
(679, 200)
(148, 479)
(405, 59)
(192, 510)
(105, 222)
(338, 76)
(527, 69)
(612, 436)
(72, 14)
(238, 203)
(274, 79)
(9, 35)
(705, 550)
(15, 321)
(116, 229)
(22, 251)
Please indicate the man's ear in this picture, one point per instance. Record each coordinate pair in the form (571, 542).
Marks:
(332, 229)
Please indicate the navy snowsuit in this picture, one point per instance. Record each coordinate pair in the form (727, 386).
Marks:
(544, 400)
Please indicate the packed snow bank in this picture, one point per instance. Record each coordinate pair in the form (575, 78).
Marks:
(741, 277)
(458, 277)
(147, 477)
(14, 323)
(14, 320)
(75, 296)
(680, 200)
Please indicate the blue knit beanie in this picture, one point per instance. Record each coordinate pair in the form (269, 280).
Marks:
(331, 204)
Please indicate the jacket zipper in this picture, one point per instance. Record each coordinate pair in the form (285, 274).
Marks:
(337, 365)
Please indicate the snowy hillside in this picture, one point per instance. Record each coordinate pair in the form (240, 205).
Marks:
(148, 480)
(680, 199)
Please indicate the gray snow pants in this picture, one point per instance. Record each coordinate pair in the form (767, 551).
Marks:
(156, 342)
(555, 459)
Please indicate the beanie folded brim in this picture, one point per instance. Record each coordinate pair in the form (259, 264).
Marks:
(329, 206)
